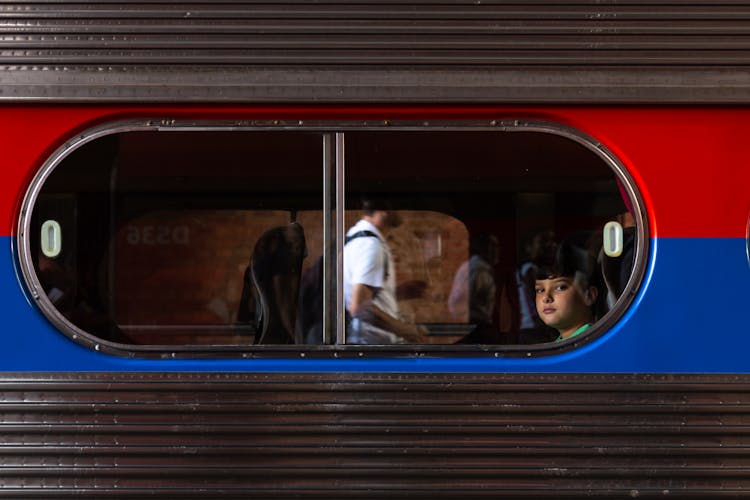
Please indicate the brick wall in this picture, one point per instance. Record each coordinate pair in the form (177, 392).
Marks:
(186, 267)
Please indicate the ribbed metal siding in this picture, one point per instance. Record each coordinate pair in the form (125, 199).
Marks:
(376, 51)
(368, 435)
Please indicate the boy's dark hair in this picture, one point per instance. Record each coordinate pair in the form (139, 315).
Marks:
(576, 258)
(571, 259)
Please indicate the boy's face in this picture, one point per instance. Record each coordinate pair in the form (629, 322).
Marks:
(563, 304)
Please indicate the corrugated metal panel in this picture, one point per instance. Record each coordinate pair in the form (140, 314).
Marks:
(374, 435)
(376, 51)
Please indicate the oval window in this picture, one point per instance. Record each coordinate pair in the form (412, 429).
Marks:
(189, 239)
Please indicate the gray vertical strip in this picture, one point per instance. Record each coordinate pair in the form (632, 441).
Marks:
(340, 206)
(329, 255)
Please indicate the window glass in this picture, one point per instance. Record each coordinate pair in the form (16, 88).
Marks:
(468, 226)
(427, 250)
(178, 238)
(209, 238)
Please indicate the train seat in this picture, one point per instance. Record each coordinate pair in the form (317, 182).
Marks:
(273, 279)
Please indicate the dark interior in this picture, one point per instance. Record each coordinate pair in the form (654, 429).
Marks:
(503, 183)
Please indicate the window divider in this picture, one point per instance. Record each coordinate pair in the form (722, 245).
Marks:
(339, 241)
(329, 250)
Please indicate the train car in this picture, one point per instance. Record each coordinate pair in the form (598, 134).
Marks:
(178, 182)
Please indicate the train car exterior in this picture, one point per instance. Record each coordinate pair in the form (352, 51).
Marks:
(223, 114)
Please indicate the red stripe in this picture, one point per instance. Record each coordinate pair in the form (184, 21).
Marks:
(692, 165)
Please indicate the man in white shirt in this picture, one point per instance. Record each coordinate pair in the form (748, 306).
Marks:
(370, 283)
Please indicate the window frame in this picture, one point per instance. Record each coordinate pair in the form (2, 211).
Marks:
(333, 134)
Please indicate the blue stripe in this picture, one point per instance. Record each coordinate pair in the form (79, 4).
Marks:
(688, 316)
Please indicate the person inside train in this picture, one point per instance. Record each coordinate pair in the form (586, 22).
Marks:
(616, 270)
(370, 281)
(565, 292)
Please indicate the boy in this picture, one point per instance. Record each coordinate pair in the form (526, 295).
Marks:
(565, 303)
(564, 294)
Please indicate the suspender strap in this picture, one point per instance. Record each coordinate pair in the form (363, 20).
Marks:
(369, 234)
(360, 234)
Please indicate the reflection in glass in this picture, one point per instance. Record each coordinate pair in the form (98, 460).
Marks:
(513, 199)
(216, 237)
(184, 238)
